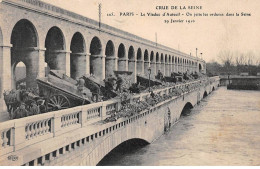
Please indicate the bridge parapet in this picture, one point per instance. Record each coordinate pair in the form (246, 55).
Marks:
(20, 133)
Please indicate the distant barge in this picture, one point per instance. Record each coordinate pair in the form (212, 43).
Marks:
(244, 83)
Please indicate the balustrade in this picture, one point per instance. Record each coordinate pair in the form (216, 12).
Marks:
(37, 128)
(110, 108)
(70, 119)
(94, 113)
(5, 138)
(33, 127)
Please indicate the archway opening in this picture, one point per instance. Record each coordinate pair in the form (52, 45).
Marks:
(140, 63)
(24, 39)
(95, 58)
(110, 59)
(127, 147)
(186, 109)
(131, 59)
(55, 55)
(213, 88)
(200, 68)
(146, 62)
(205, 94)
(20, 75)
(121, 58)
(162, 65)
(158, 64)
(77, 56)
(152, 65)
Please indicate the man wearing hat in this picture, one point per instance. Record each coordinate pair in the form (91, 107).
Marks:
(20, 112)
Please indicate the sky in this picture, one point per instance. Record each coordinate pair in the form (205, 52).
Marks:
(210, 35)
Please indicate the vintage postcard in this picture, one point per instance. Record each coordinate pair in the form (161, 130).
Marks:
(129, 83)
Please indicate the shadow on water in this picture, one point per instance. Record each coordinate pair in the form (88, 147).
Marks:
(126, 148)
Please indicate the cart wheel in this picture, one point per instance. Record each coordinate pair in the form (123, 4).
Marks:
(28, 103)
(58, 102)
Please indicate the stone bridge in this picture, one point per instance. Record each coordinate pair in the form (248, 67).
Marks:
(43, 36)
(77, 136)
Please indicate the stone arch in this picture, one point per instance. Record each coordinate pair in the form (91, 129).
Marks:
(95, 46)
(77, 56)
(140, 62)
(152, 64)
(158, 63)
(55, 55)
(131, 61)
(166, 65)
(121, 57)
(162, 59)
(152, 56)
(146, 55)
(146, 62)
(24, 39)
(205, 94)
(186, 109)
(110, 59)
(24, 34)
(128, 145)
(96, 64)
(200, 67)
(110, 49)
(162, 64)
(213, 88)
(157, 57)
(139, 54)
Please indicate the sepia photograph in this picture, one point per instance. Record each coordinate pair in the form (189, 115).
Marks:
(129, 83)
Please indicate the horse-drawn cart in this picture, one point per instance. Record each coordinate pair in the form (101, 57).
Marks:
(60, 94)
(53, 93)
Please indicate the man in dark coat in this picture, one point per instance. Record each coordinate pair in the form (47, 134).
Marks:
(20, 112)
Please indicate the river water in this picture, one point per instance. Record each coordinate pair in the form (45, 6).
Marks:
(224, 129)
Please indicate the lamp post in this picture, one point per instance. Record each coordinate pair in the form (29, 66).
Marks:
(149, 73)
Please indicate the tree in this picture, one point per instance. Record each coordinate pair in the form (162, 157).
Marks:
(226, 57)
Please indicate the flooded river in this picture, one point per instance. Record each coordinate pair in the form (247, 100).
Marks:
(224, 129)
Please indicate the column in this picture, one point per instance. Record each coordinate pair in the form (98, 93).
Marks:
(140, 67)
(5, 68)
(158, 67)
(41, 69)
(146, 66)
(98, 65)
(166, 69)
(5, 72)
(163, 68)
(111, 63)
(78, 65)
(170, 68)
(122, 64)
(132, 68)
(88, 63)
(153, 70)
(59, 60)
